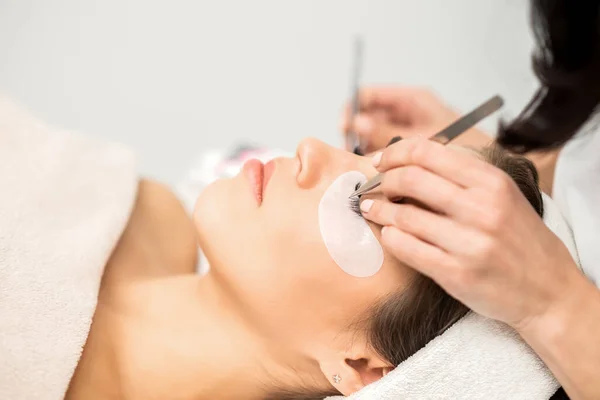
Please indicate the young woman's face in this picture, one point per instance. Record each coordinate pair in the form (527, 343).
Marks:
(292, 260)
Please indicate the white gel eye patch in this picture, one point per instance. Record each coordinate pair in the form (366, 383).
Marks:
(347, 236)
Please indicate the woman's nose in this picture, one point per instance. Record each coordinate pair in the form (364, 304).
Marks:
(317, 162)
(312, 154)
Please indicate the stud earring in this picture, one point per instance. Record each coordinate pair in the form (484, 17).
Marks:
(337, 379)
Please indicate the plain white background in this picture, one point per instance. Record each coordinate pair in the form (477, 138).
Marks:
(170, 78)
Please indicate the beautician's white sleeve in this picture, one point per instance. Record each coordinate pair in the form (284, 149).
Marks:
(577, 194)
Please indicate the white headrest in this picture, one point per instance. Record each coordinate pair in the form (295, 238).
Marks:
(476, 358)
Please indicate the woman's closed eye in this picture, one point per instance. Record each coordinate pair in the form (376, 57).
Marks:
(354, 202)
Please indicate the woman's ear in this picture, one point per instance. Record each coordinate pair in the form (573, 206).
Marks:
(349, 373)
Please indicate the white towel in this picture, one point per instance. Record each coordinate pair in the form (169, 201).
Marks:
(477, 358)
(64, 201)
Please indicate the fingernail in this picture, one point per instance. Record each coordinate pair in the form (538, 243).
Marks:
(377, 159)
(363, 124)
(366, 205)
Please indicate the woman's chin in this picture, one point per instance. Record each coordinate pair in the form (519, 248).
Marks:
(219, 209)
(211, 202)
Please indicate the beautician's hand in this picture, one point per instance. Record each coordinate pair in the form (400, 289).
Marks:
(391, 111)
(386, 112)
(484, 244)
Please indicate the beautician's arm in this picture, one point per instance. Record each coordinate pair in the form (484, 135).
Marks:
(567, 338)
(390, 111)
(545, 162)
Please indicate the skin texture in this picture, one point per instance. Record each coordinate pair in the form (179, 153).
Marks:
(477, 246)
(274, 302)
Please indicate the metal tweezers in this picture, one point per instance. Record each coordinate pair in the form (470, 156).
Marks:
(352, 141)
(444, 136)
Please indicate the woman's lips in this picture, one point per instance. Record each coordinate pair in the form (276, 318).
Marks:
(254, 171)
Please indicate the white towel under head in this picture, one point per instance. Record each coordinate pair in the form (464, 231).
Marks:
(476, 358)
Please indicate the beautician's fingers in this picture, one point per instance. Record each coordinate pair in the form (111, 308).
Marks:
(373, 129)
(421, 223)
(396, 101)
(416, 253)
(374, 134)
(474, 207)
(407, 104)
(451, 164)
(425, 187)
(391, 111)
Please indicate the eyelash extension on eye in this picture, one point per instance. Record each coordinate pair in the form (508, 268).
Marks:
(355, 202)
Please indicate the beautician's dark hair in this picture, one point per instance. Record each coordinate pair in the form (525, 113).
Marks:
(567, 64)
(404, 322)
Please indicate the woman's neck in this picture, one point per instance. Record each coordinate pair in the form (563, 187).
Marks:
(173, 337)
(159, 330)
